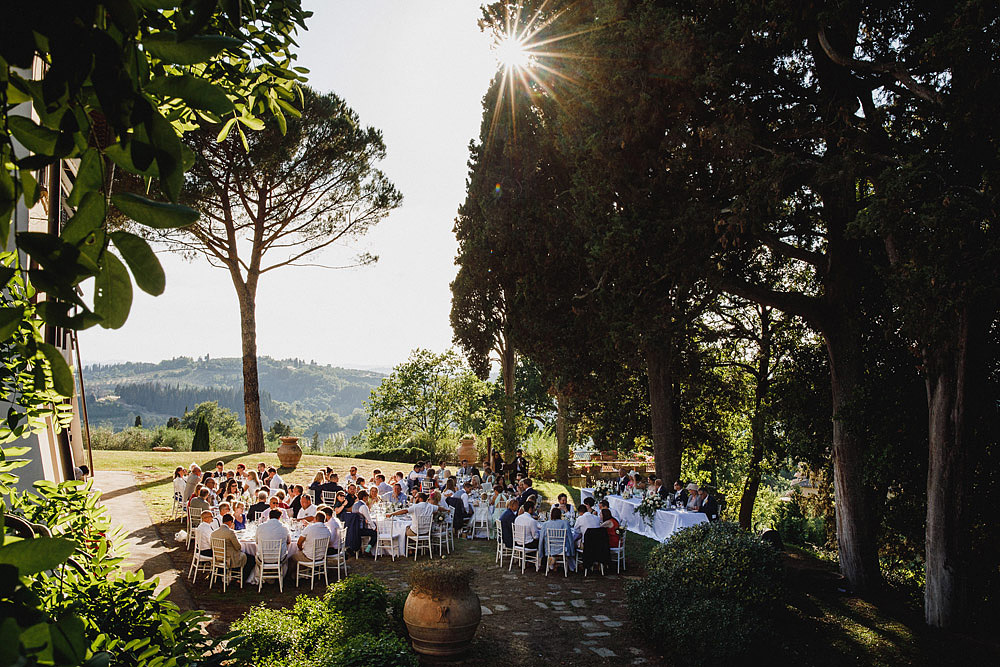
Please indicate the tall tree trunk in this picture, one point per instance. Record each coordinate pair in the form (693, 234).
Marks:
(562, 440)
(949, 367)
(251, 385)
(856, 536)
(507, 367)
(664, 412)
(757, 421)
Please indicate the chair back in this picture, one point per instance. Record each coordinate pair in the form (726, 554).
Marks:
(555, 541)
(520, 535)
(269, 551)
(218, 550)
(427, 484)
(319, 547)
(424, 524)
(384, 527)
(499, 531)
(329, 497)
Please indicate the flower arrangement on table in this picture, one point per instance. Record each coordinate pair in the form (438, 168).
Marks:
(604, 488)
(648, 507)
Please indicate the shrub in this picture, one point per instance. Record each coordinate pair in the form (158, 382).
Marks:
(131, 439)
(200, 441)
(177, 439)
(541, 449)
(268, 635)
(361, 603)
(729, 575)
(369, 650)
(433, 578)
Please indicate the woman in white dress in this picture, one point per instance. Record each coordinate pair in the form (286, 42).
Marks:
(252, 483)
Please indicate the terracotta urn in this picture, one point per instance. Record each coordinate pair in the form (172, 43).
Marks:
(289, 452)
(442, 623)
(467, 450)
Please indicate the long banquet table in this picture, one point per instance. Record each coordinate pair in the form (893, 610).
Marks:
(665, 524)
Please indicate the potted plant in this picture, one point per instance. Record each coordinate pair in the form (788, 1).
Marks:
(441, 612)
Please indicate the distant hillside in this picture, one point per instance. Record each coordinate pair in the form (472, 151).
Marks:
(293, 390)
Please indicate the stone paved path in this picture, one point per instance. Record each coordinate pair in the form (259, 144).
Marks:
(146, 550)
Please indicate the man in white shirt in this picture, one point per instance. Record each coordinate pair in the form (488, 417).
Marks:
(307, 539)
(203, 534)
(530, 525)
(333, 526)
(584, 522)
(444, 473)
(307, 511)
(273, 529)
(275, 481)
(224, 509)
(417, 510)
(463, 493)
(352, 475)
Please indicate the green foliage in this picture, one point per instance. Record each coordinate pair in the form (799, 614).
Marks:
(737, 602)
(221, 420)
(430, 393)
(797, 528)
(268, 635)
(401, 454)
(540, 448)
(360, 603)
(200, 441)
(369, 650)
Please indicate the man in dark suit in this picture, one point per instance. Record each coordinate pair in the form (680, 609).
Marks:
(623, 479)
(709, 505)
(507, 523)
(520, 466)
(680, 494)
(331, 485)
(526, 491)
(258, 507)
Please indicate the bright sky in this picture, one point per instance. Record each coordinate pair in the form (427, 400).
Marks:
(417, 71)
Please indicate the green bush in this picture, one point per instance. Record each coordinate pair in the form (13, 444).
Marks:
(361, 604)
(797, 528)
(178, 439)
(728, 574)
(268, 635)
(369, 650)
(200, 441)
(131, 439)
(541, 449)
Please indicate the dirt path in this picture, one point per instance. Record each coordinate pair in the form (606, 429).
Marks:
(146, 550)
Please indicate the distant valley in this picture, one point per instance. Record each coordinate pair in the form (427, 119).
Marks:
(306, 395)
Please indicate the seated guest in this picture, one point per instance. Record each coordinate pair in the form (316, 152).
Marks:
(333, 526)
(224, 508)
(258, 508)
(680, 494)
(201, 502)
(694, 499)
(606, 505)
(590, 503)
(307, 511)
(233, 488)
(557, 522)
(352, 494)
(308, 537)
(465, 494)
(430, 479)
(261, 470)
(525, 519)
(368, 528)
(584, 522)
(565, 508)
(352, 476)
(319, 479)
(235, 558)
(274, 480)
(275, 505)
(332, 485)
(239, 517)
(450, 488)
(526, 491)
(383, 487)
(623, 480)
(443, 472)
(340, 505)
(179, 484)
(611, 524)
(397, 496)
(660, 490)
(220, 470)
(273, 529)
(241, 472)
(421, 508)
(373, 480)
(415, 474)
(295, 499)
(252, 484)
(194, 476)
(708, 505)
(203, 534)
(213, 496)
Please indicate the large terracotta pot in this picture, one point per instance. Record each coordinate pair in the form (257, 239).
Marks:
(442, 624)
(289, 452)
(467, 450)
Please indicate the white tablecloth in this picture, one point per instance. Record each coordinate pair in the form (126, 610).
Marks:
(665, 524)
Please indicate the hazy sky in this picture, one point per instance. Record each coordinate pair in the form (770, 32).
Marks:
(417, 71)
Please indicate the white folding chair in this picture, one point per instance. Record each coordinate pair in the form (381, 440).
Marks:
(619, 552)
(427, 485)
(177, 508)
(480, 520)
(269, 563)
(193, 519)
(316, 564)
(220, 566)
(329, 498)
(502, 550)
(422, 540)
(339, 561)
(555, 549)
(386, 541)
(440, 532)
(520, 550)
(199, 563)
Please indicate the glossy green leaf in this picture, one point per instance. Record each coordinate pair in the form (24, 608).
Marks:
(6, 273)
(89, 177)
(113, 292)
(252, 122)
(36, 555)
(191, 51)
(69, 645)
(35, 138)
(198, 93)
(167, 150)
(8, 197)
(62, 377)
(10, 320)
(29, 188)
(122, 156)
(142, 261)
(224, 132)
(89, 217)
(155, 214)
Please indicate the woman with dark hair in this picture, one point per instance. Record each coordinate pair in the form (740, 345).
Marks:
(611, 524)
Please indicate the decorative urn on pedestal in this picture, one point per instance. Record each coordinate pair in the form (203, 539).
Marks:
(441, 612)
(289, 451)
(467, 450)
